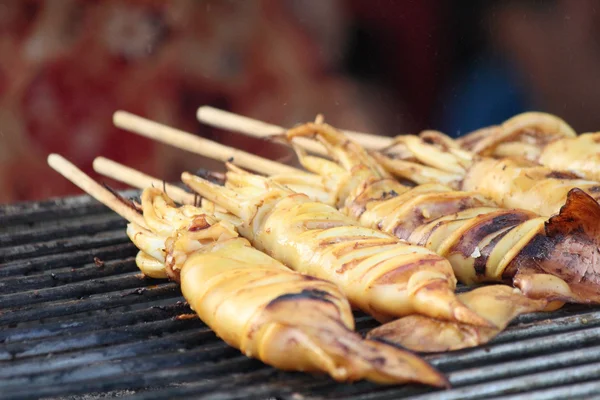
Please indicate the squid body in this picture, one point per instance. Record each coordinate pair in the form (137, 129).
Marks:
(256, 304)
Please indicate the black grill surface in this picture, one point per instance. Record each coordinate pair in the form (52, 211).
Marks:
(77, 320)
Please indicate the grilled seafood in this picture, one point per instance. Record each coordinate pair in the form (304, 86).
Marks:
(256, 304)
(541, 138)
(499, 303)
(524, 135)
(509, 182)
(580, 155)
(555, 259)
(378, 273)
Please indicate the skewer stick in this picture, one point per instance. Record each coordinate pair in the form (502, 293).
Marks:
(196, 144)
(252, 127)
(137, 179)
(219, 195)
(369, 140)
(91, 187)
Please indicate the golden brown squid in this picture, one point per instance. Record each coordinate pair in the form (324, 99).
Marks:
(541, 138)
(378, 273)
(524, 135)
(547, 260)
(554, 259)
(499, 303)
(509, 182)
(256, 304)
(502, 306)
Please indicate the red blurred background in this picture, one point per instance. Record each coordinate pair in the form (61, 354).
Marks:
(385, 67)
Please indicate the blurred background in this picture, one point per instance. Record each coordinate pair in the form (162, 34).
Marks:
(379, 66)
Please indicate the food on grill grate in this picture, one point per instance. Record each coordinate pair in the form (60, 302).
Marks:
(546, 258)
(74, 332)
(531, 138)
(379, 274)
(256, 304)
(580, 155)
(432, 157)
(364, 188)
(69, 328)
(253, 302)
(523, 136)
(508, 182)
(499, 303)
(436, 158)
(541, 138)
(530, 241)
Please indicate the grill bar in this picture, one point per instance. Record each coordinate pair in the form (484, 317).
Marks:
(255, 370)
(137, 357)
(90, 324)
(54, 209)
(16, 351)
(69, 325)
(94, 302)
(63, 245)
(530, 347)
(64, 276)
(574, 392)
(76, 290)
(63, 229)
(72, 258)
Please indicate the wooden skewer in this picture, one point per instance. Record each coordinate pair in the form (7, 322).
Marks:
(252, 127)
(137, 179)
(369, 140)
(91, 187)
(198, 145)
(221, 196)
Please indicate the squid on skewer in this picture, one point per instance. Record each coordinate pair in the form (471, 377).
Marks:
(455, 335)
(510, 183)
(252, 301)
(552, 259)
(580, 155)
(541, 138)
(555, 259)
(500, 303)
(379, 274)
(256, 304)
(524, 135)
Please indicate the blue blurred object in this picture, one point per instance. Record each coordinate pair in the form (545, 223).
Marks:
(488, 94)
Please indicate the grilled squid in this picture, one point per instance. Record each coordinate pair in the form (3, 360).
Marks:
(379, 274)
(554, 259)
(256, 304)
(541, 138)
(500, 303)
(580, 155)
(524, 135)
(511, 183)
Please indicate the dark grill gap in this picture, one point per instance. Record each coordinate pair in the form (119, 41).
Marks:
(71, 326)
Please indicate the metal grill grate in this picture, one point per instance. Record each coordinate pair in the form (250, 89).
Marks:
(70, 325)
